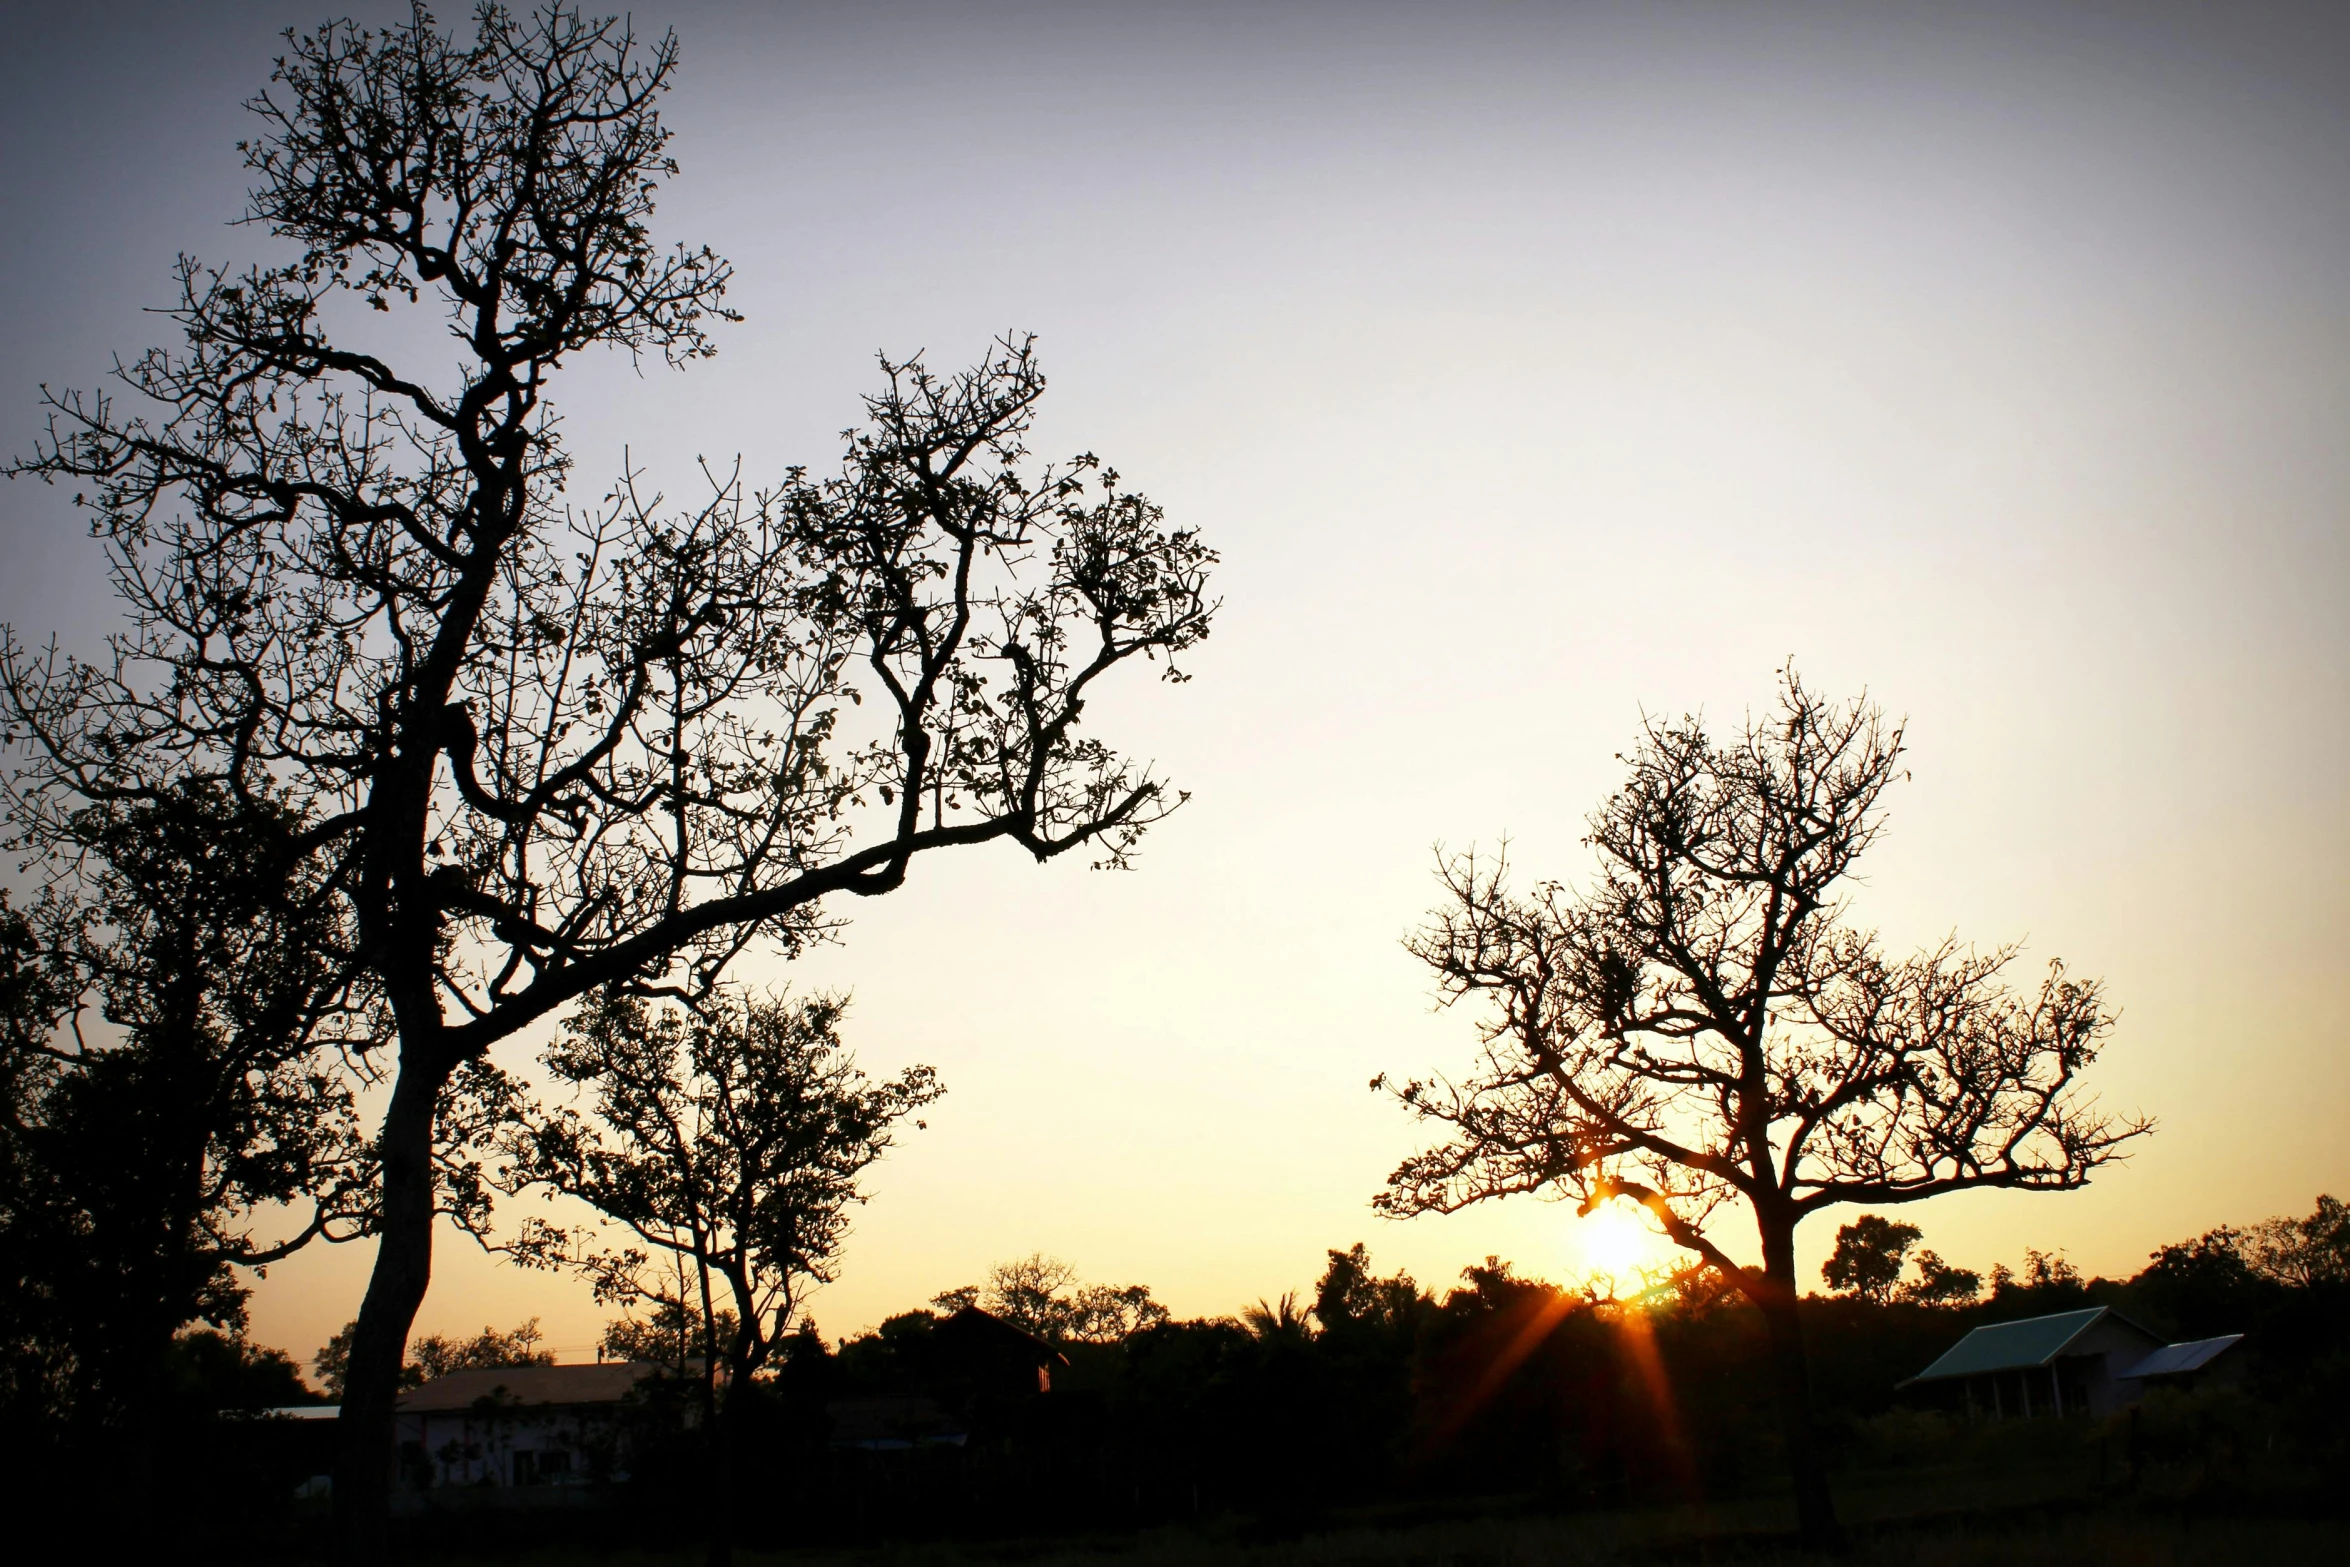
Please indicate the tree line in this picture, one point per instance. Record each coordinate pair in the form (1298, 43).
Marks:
(1369, 1388)
(1375, 1390)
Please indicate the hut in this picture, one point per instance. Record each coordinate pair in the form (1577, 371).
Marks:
(2071, 1362)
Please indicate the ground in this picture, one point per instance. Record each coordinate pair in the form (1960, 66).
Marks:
(1915, 1490)
(2088, 1536)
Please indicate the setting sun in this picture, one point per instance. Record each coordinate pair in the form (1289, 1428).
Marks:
(1617, 1242)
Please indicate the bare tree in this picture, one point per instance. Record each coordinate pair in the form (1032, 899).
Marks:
(1702, 1025)
(545, 750)
(1042, 1295)
(731, 1141)
(2303, 1253)
(670, 1334)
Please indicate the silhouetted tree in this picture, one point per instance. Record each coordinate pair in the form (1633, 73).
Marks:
(1349, 1297)
(2303, 1253)
(1278, 1320)
(436, 1355)
(1042, 1295)
(2048, 1282)
(180, 1105)
(1701, 1025)
(1368, 1330)
(670, 1334)
(212, 1372)
(2203, 1287)
(34, 998)
(1939, 1283)
(541, 751)
(2283, 1282)
(1108, 1313)
(1870, 1254)
(731, 1140)
(1030, 1293)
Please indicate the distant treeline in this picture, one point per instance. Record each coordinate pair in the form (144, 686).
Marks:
(1381, 1389)
(1373, 1389)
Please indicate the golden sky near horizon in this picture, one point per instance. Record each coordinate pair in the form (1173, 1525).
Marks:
(1532, 367)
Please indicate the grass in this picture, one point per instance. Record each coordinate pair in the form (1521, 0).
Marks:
(1917, 1491)
(2080, 1536)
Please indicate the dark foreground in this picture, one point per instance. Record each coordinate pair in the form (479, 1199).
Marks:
(2078, 1537)
(1932, 1495)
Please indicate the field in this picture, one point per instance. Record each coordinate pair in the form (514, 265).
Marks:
(2087, 1537)
(1916, 1490)
(2026, 1498)
(2198, 1478)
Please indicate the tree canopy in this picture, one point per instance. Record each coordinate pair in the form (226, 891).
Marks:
(535, 746)
(1044, 1296)
(728, 1145)
(1704, 1024)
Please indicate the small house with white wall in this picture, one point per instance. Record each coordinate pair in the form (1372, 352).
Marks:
(2092, 1362)
(509, 1426)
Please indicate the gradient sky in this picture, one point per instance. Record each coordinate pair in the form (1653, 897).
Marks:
(1531, 365)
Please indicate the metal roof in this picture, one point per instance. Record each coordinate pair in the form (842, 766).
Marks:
(2173, 1360)
(606, 1383)
(2013, 1346)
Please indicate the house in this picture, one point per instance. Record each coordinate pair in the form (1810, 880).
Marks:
(946, 1379)
(2091, 1361)
(989, 1352)
(507, 1426)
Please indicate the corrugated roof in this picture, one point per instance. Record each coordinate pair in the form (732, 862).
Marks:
(607, 1383)
(2011, 1346)
(2173, 1360)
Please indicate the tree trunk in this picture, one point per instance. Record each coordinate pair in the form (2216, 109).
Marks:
(403, 1268)
(136, 1516)
(1815, 1509)
(724, 1516)
(715, 1422)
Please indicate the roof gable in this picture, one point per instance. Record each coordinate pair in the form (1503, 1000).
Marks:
(2034, 1341)
(605, 1383)
(975, 1332)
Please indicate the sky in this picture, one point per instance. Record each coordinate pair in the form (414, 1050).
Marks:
(1532, 367)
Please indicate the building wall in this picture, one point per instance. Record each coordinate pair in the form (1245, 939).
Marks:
(2083, 1381)
(2111, 1347)
(479, 1448)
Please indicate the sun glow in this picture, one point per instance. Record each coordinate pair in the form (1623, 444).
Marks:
(1616, 1242)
